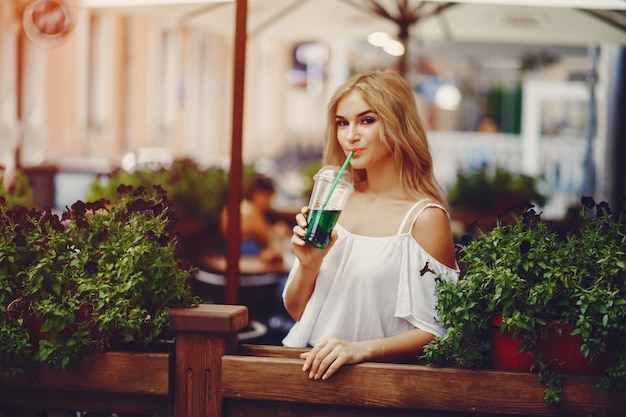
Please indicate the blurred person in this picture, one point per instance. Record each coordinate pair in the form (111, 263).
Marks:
(259, 236)
(370, 294)
(488, 124)
(267, 240)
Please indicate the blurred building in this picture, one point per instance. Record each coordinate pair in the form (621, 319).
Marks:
(81, 89)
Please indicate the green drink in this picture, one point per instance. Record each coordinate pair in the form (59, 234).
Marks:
(321, 224)
(331, 189)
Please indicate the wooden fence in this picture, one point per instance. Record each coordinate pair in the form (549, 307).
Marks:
(209, 375)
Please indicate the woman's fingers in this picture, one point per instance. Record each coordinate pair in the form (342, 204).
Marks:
(298, 235)
(299, 230)
(324, 359)
(301, 220)
(331, 363)
(309, 356)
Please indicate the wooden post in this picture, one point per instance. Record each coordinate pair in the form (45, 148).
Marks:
(203, 335)
(235, 180)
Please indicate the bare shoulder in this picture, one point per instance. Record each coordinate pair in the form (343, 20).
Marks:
(433, 232)
(434, 214)
(432, 224)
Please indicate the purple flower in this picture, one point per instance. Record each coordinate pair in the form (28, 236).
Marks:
(97, 205)
(79, 208)
(524, 247)
(164, 240)
(102, 236)
(19, 241)
(139, 191)
(587, 202)
(124, 189)
(603, 208)
(66, 215)
(184, 265)
(91, 267)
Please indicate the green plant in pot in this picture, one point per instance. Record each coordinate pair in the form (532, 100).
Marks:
(18, 193)
(538, 284)
(478, 196)
(102, 273)
(197, 194)
(482, 190)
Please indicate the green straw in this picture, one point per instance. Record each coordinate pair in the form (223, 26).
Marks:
(336, 181)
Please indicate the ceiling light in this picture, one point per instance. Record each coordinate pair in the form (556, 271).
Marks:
(447, 97)
(378, 38)
(394, 48)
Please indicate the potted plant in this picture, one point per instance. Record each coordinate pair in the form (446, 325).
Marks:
(101, 274)
(16, 192)
(481, 194)
(197, 194)
(524, 281)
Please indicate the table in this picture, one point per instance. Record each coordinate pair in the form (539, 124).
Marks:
(260, 285)
(253, 271)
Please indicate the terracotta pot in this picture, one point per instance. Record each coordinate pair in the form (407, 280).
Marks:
(560, 349)
(505, 350)
(33, 326)
(18, 310)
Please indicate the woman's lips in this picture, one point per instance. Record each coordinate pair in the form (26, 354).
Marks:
(356, 151)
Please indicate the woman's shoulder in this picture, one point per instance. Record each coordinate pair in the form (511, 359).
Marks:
(433, 232)
(427, 212)
(420, 206)
(432, 214)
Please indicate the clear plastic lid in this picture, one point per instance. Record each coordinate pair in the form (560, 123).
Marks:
(330, 172)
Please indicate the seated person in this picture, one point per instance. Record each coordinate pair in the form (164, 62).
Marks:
(259, 237)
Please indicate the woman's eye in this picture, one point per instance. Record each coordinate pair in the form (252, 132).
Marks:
(368, 120)
(341, 123)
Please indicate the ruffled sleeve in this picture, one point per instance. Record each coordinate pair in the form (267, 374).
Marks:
(416, 300)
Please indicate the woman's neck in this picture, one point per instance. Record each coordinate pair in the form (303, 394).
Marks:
(382, 182)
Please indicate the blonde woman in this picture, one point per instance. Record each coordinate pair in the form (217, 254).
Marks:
(370, 294)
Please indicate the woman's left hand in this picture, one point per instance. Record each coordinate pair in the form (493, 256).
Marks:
(329, 355)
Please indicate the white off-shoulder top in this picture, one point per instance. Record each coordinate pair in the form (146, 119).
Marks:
(372, 287)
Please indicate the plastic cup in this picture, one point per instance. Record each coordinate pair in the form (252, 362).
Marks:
(326, 204)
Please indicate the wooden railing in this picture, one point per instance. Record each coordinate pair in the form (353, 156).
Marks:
(268, 381)
(209, 375)
(182, 383)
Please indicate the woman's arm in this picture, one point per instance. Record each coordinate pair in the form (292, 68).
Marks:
(298, 291)
(328, 356)
(302, 284)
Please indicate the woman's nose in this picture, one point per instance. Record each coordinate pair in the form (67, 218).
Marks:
(352, 134)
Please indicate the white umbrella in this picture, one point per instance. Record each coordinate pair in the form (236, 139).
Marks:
(557, 22)
(578, 22)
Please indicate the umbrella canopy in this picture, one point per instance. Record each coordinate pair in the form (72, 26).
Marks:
(526, 21)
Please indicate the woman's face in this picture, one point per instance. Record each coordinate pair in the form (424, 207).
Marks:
(358, 130)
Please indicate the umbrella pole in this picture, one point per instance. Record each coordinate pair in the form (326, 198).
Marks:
(235, 190)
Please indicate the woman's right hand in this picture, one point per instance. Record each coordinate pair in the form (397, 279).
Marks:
(309, 256)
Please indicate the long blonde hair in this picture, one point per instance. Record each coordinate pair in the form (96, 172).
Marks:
(401, 130)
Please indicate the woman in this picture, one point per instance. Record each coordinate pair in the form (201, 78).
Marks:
(370, 295)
